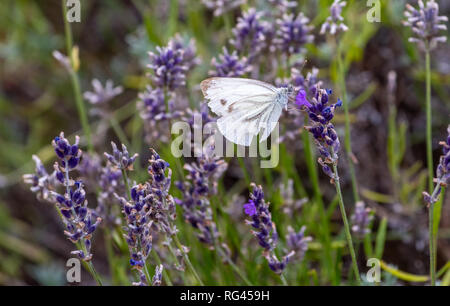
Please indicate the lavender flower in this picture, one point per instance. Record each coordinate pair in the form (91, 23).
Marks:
(293, 33)
(316, 103)
(138, 225)
(425, 22)
(334, 23)
(100, 94)
(361, 220)
(42, 183)
(168, 66)
(298, 242)
(230, 65)
(63, 60)
(199, 186)
(189, 51)
(220, 7)
(121, 160)
(157, 278)
(442, 172)
(163, 204)
(283, 5)
(265, 229)
(250, 33)
(77, 217)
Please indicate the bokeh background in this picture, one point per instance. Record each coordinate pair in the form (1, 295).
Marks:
(36, 103)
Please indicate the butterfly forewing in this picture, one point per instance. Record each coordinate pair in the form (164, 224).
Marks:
(246, 106)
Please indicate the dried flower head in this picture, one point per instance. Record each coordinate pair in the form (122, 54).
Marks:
(425, 22)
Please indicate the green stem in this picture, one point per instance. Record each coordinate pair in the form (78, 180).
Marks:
(345, 220)
(432, 247)
(76, 82)
(119, 131)
(283, 280)
(428, 129)
(433, 233)
(347, 140)
(325, 232)
(186, 258)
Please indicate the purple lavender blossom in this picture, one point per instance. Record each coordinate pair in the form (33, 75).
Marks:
(199, 186)
(230, 65)
(283, 5)
(42, 183)
(152, 109)
(316, 103)
(293, 33)
(100, 94)
(334, 23)
(138, 228)
(361, 220)
(264, 229)
(168, 66)
(425, 22)
(157, 277)
(298, 242)
(78, 218)
(249, 34)
(189, 51)
(163, 204)
(442, 172)
(220, 7)
(121, 159)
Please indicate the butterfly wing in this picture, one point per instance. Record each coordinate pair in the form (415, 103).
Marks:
(244, 105)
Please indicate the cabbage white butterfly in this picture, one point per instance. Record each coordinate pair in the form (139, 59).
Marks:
(246, 107)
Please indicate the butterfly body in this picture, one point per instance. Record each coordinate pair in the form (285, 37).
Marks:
(245, 107)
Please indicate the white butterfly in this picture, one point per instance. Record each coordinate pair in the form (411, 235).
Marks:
(246, 107)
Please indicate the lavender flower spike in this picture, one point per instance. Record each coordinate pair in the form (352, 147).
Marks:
(293, 33)
(442, 172)
(230, 65)
(77, 217)
(138, 228)
(264, 229)
(168, 67)
(298, 242)
(41, 182)
(425, 22)
(316, 103)
(334, 23)
(250, 33)
(100, 94)
(220, 7)
(361, 220)
(121, 160)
